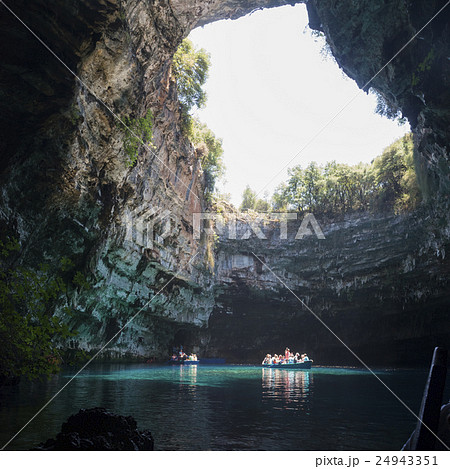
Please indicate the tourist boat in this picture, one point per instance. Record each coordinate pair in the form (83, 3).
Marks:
(306, 365)
(183, 362)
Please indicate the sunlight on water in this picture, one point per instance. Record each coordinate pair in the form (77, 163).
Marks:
(209, 407)
(208, 376)
(288, 388)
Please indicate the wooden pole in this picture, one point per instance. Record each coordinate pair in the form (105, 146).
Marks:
(422, 438)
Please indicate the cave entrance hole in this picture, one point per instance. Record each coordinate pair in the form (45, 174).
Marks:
(272, 86)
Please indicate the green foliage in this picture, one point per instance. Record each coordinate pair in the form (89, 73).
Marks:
(28, 329)
(388, 183)
(190, 68)
(394, 176)
(9, 246)
(72, 357)
(209, 150)
(66, 264)
(262, 206)
(75, 114)
(138, 131)
(250, 201)
(422, 68)
(386, 107)
(80, 281)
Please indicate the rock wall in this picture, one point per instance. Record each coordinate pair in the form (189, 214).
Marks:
(365, 36)
(379, 283)
(66, 190)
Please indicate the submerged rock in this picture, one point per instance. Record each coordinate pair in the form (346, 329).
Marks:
(99, 430)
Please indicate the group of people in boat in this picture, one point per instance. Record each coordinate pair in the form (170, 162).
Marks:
(182, 356)
(288, 357)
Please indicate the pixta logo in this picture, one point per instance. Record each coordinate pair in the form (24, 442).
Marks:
(228, 224)
(146, 225)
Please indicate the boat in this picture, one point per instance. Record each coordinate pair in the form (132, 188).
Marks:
(183, 362)
(306, 365)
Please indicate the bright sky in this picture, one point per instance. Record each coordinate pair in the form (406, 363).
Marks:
(270, 91)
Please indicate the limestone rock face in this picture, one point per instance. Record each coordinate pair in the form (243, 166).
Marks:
(371, 43)
(377, 283)
(67, 191)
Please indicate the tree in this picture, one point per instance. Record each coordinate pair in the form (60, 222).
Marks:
(313, 187)
(280, 198)
(295, 189)
(386, 107)
(190, 68)
(262, 205)
(210, 152)
(394, 176)
(388, 183)
(248, 199)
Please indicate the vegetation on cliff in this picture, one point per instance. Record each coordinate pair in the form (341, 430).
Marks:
(29, 330)
(250, 201)
(388, 183)
(190, 68)
(138, 132)
(209, 150)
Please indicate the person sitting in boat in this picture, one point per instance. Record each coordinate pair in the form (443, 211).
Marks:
(267, 360)
(291, 358)
(305, 357)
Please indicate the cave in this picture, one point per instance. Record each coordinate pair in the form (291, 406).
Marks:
(66, 191)
(113, 248)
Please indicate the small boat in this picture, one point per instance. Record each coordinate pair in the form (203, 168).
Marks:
(306, 365)
(183, 362)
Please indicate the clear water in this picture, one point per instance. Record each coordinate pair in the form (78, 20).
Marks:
(227, 407)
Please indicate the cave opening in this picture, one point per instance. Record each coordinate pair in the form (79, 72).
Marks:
(381, 283)
(277, 98)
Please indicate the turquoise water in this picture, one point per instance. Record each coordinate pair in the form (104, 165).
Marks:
(227, 407)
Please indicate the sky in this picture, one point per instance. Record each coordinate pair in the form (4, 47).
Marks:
(271, 93)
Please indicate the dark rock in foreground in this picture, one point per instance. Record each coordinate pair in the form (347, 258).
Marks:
(99, 430)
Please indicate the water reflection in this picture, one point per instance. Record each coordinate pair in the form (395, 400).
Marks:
(289, 389)
(225, 407)
(188, 374)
